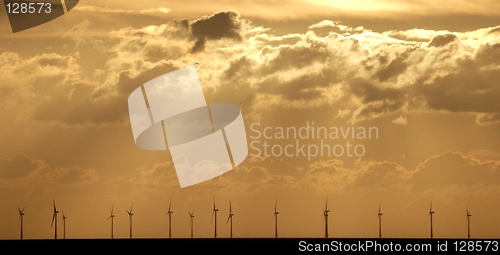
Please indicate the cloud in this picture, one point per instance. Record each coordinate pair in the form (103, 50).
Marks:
(400, 121)
(90, 8)
(83, 35)
(35, 77)
(439, 40)
(79, 103)
(488, 118)
(456, 169)
(24, 171)
(239, 181)
(445, 172)
(324, 23)
(75, 176)
(336, 176)
(19, 166)
(336, 24)
(368, 74)
(222, 25)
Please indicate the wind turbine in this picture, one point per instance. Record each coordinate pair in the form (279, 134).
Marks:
(112, 216)
(431, 212)
(468, 223)
(169, 219)
(379, 222)
(230, 218)
(275, 215)
(64, 225)
(325, 217)
(191, 215)
(21, 216)
(215, 213)
(54, 219)
(130, 216)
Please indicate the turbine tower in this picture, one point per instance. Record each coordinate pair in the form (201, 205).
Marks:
(325, 218)
(215, 213)
(431, 212)
(112, 216)
(169, 219)
(64, 225)
(130, 214)
(54, 219)
(230, 218)
(379, 222)
(468, 223)
(275, 216)
(191, 215)
(21, 216)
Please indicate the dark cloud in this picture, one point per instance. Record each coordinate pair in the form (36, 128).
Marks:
(381, 174)
(127, 82)
(74, 105)
(28, 170)
(468, 83)
(199, 45)
(222, 25)
(442, 40)
(381, 107)
(157, 53)
(18, 166)
(81, 104)
(305, 87)
(396, 67)
(488, 54)
(76, 176)
(218, 26)
(470, 89)
(183, 23)
(239, 69)
(293, 57)
(369, 92)
(83, 111)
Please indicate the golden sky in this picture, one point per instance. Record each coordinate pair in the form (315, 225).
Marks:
(425, 74)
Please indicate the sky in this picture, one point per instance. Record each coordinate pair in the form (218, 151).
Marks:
(419, 82)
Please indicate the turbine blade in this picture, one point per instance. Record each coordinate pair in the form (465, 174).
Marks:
(169, 204)
(53, 218)
(228, 218)
(54, 202)
(214, 203)
(19, 210)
